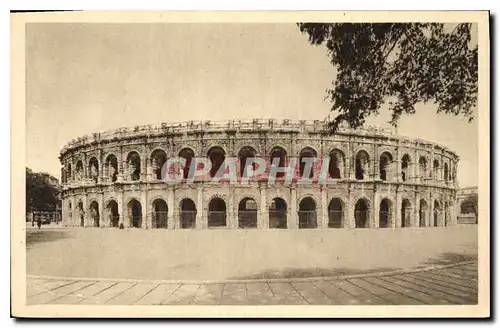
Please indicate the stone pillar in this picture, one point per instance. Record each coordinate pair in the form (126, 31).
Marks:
(416, 215)
(146, 215)
(231, 217)
(86, 218)
(376, 209)
(293, 215)
(350, 164)
(323, 223)
(72, 222)
(122, 167)
(144, 164)
(262, 220)
(349, 221)
(122, 210)
(397, 208)
(201, 218)
(102, 213)
(172, 217)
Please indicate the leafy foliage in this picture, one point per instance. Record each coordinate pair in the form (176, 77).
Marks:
(469, 205)
(42, 192)
(402, 63)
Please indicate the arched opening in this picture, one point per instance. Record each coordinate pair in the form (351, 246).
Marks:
(70, 211)
(406, 211)
(247, 213)
(446, 214)
(94, 213)
(160, 214)
(437, 212)
(362, 164)
(307, 214)
(446, 173)
(188, 155)
(306, 153)
(69, 173)
(280, 153)
(422, 213)
(361, 213)
(244, 154)
(94, 169)
(188, 214)
(79, 170)
(435, 167)
(217, 157)
(385, 166)
(335, 213)
(158, 159)
(134, 166)
(336, 164)
(112, 167)
(81, 213)
(405, 164)
(385, 213)
(422, 164)
(216, 213)
(277, 214)
(135, 213)
(113, 215)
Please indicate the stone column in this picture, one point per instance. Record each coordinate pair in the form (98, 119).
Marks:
(376, 209)
(350, 165)
(146, 215)
(102, 216)
(416, 211)
(172, 218)
(122, 210)
(397, 208)
(324, 209)
(262, 220)
(231, 217)
(349, 221)
(293, 215)
(201, 218)
(86, 218)
(73, 212)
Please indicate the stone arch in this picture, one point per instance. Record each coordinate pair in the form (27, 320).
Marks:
(158, 159)
(307, 213)
(79, 170)
(422, 213)
(306, 152)
(362, 164)
(93, 168)
(406, 213)
(81, 212)
(133, 165)
(69, 173)
(245, 153)
(446, 172)
(134, 208)
(335, 213)
(94, 213)
(385, 213)
(188, 154)
(405, 167)
(336, 164)
(159, 213)
(437, 213)
(435, 168)
(247, 213)
(278, 213)
(217, 212)
(362, 212)
(112, 212)
(386, 166)
(217, 156)
(187, 209)
(111, 167)
(280, 153)
(422, 165)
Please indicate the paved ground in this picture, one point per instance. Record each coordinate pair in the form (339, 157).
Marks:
(241, 254)
(449, 284)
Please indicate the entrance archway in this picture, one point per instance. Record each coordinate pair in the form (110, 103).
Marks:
(277, 214)
(406, 216)
(188, 214)
(385, 213)
(247, 213)
(307, 214)
(94, 213)
(361, 213)
(135, 213)
(335, 213)
(437, 213)
(114, 217)
(82, 214)
(278, 156)
(422, 213)
(160, 214)
(216, 213)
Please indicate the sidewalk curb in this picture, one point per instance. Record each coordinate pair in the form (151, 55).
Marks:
(260, 280)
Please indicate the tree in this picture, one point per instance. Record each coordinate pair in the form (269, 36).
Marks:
(401, 63)
(42, 192)
(469, 205)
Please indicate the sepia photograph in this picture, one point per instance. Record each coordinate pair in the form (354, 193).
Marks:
(279, 164)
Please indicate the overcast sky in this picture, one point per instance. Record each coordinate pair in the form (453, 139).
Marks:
(85, 78)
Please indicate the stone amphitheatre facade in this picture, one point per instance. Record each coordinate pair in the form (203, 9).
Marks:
(376, 179)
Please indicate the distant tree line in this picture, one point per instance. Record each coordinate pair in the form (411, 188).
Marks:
(42, 192)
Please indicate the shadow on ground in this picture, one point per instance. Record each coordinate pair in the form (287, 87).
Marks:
(309, 273)
(34, 237)
(450, 258)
